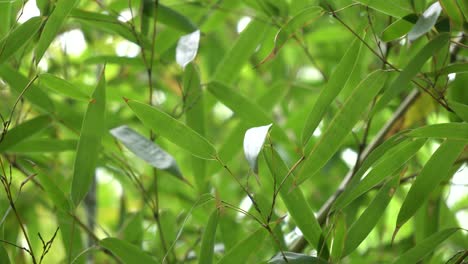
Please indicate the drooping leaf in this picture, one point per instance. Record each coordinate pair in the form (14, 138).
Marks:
(174, 19)
(295, 258)
(360, 229)
(242, 250)
(43, 146)
(426, 21)
(342, 124)
(19, 82)
(399, 28)
(386, 166)
(172, 129)
(61, 86)
(126, 252)
(208, 239)
(460, 109)
(253, 142)
(147, 150)
(52, 26)
(336, 82)
(457, 131)
(432, 174)
(19, 37)
(187, 48)
(89, 143)
(393, 8)
(293, 198)
(402, 82)
(425, 247)
(24, 131)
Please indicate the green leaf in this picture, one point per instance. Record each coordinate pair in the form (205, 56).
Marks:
(253, 142)
(52, 26)
(19, 82)
(392, 8)
(18, 38)
(360, 229)
(4, 258)
(457, 131)
(452, 68)
(229, 67)
(147, 150)
(126, 252)
(24, 131)
(403, 80)
(460, 109)
(43, 145)
(174, 130)
(295, 258)
(294, 200)
(337, 81)
(342, 123)
(241, 251)
(432, 174)
(187, 48)
(454, 13)
(107, 59)
(5, 17)
(89, 144)
(399, 28)
(387, 165)
(174, 19)
(426, 21)
(208, 239)
(426, 246)
(61, 86)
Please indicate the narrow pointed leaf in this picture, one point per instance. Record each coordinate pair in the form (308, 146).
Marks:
(425, 247)
(295, 258)
(174, 19)
(208, 239)
(187, 48)
(433, 173)
(61, 86)
(360, 229)
(460, 109)
(87, 151)
(342, 124)
(253, 142)
(452, 68)
(19, 82)
(52, 26)
(392, 8)
(402, 82)
(399, 28)
(43, 146)
(241, 251)
(174, 130)
(454, 13)
(293, 198)
(146, 150)
(426, 21)
(24, 131)
(19, 37)
(5, 17)
(4, 258)
(458, 131)
(126, 252)
(336, 82)
(387, 165)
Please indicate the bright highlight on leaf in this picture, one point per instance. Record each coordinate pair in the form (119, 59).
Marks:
(187, 48)
(253, 143)
(426, 21)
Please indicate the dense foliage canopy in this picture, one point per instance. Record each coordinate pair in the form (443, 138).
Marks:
(254, 131)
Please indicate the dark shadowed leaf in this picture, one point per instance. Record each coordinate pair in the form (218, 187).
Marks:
(208, 239)
(460, 109)
(187, 48)
(125, 251)
(253, 142)
(4, 255)
(295, 258)
(174, 19)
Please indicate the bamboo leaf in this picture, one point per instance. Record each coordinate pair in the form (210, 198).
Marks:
(426, 21)
(294, 200)
(399, 28)
(426, 246)
(43, 146)
(403, 80)
(125, 251)
(174, 19)
(295, 258)
(336, 82)
(253, 142)
(454, 13)
(172, 129)
(386, 166)
(342, 124)
(460, 109)
(434, 171)
(61, 86)
(392, 8)
(5, 17)
(452, 68)
(4, 258)
(147, 150)
(457, 131)
(187, 48)
(360, 229)
(52, 26)
(24, 131)
(208, 239)
(19, 37)
(87, 151)
(242, 250)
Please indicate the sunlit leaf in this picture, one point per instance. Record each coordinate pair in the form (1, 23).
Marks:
(426, 21)
(458, 131)
(392, 8)
(242, 250)
(43, 146)
(174, 19)
(253, 142)
(454, 13)
(399, 28)
(24, 131)
(208, 239)
(61, 86)
(295, 258)
(187, 48)
(126, 252)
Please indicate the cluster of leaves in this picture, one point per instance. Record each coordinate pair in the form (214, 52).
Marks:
(221, 131)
